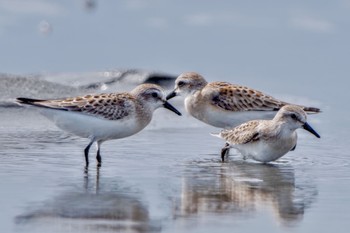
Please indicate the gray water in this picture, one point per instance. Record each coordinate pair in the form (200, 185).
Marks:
(169, 177)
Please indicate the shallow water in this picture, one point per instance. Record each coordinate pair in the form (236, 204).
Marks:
(168, 178)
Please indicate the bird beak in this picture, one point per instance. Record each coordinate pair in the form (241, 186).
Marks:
(307, 127)
(171, 108)
(171, 95)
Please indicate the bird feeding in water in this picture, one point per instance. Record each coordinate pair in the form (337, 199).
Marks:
(267, 140)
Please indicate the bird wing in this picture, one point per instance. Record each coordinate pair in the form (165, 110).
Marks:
(232, 97)
(242, 134)
(106, 106)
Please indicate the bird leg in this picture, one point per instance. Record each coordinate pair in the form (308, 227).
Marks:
(98, 155)
(224, 151)
(86, 153)
(98, 158)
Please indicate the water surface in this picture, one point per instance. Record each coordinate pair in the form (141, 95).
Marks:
(168, 178)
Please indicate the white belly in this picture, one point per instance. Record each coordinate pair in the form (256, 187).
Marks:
(223, 118)
(91, 127)
(228, 119)
(264, 151)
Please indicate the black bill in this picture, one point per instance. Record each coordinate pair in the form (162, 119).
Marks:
(171, 95)
(310, 129)
(171, 108)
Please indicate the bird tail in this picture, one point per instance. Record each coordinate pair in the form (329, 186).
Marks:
(28, 101)
(218, 135)
(311, 110)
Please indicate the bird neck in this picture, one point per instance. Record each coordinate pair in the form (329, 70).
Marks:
(147, 110)
(284, 129)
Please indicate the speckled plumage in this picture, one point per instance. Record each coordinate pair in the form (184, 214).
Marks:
(243, 133)
(239, 98)
(113, 106)
(267, 140)
(103, 117)
(223, 104)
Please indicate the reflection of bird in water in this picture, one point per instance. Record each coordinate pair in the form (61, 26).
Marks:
(100, 206)
(242, 188)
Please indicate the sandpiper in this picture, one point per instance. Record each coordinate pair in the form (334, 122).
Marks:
(267, 140)
(103, 117)
(222, 104)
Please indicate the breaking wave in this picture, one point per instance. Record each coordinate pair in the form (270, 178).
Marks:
(71, 84)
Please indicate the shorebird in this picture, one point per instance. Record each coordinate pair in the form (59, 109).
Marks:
(103, 117)
(222, 104)
(267, 140)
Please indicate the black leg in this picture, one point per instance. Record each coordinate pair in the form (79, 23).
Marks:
(98, 155)
(224, 151)
(86, 153)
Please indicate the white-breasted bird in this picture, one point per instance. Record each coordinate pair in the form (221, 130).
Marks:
(267, 140)
(223, 104)
(102, 117)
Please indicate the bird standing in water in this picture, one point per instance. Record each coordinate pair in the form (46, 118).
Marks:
(103, 117)
(267, 140)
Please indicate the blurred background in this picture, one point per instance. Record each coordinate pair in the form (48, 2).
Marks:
(247, 40)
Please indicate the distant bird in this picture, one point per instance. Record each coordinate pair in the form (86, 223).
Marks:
(222, 104)
(104, 117)
(267, 140)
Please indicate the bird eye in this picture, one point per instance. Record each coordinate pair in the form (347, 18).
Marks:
(293, 116)
(181, 83)
(155, 94)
